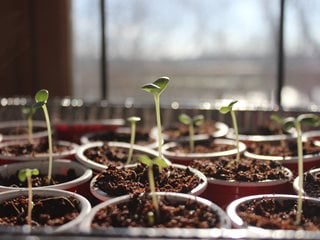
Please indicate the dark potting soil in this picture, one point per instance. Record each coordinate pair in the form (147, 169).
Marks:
(50, 211)
(206, 146)
(120, 181)
(246, 170)
(39, 180)
(123, 135)
(6, 131)
(39, 147)
(107, 155)
(285, 149)
(178, 130)
(262, 129)
(271, 213)
(134, 213)
(311, 184)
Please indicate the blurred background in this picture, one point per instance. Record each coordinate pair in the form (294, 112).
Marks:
(262, 52)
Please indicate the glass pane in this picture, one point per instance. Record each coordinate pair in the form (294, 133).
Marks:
(86, 32)
(210, 49)
(302, 41)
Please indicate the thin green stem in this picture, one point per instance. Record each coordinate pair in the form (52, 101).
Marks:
(191, 135)
(132, 138)
(236, 133)
(300, 170)
(30, 203)
(153, 189)
(46, 114)
(157, 106)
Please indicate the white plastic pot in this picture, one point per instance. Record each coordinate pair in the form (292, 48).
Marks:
(121, 130)
(238, 222)
(100, 167)
(296, 181)
(40, 156)
(186, 158)
(222, 130)
(85, 226)
(103, 196)
(85, 206)
(60, 166)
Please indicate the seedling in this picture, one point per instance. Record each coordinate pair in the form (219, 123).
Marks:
(225, 110)
(161, 163)
(41, 98)
(278, 120)
(191, 122)
(291, 122)
(156, 88)
(23, 175)
(133, 120)
(29, 111)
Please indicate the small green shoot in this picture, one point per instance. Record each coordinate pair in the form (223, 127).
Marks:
(161, 163)
(191, 122)
(133, 120)
(291, 122)
(225, 110)
(156, 88)
(41, 98)
(29, 111)
(23, 175)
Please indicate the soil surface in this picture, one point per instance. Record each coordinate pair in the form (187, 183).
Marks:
(279, 214)
(39, 180)
(40, 147)
(285, 149)
(107, 155)
(206, 146)
(311, 184)
(120, 181)
(177, 130)
(171, 214)
(50, 211)
(262, 129)
(246, 170)
(6, 131)
(123, 135)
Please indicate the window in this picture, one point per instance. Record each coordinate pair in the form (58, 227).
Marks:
(210, 49)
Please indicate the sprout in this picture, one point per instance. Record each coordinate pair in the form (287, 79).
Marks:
(288, 123)
(41, 98)
(156, 88)
(191, 122)
(161, 163)
(132, 121)
(23, 175)
(29, 111)
(225, 110)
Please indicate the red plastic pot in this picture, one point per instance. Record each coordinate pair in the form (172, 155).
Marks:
(223, 192)
(72, 131)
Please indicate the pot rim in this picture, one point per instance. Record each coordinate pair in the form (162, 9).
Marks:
(225, 221)
(85, 206)
(84, 176)
(191, 156)
(15, 123)
(40, 156)
(100, 167)
(110, 121)
(103, 196)
(239, 223)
